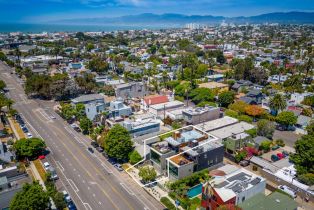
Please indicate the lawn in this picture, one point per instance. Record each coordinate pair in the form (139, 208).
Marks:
(40, 169)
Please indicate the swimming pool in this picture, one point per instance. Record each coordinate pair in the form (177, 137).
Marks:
(195, 191)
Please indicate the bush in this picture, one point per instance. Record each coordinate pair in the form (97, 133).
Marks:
(252, 132)
(167, 203)
(307, 179)
(231, 113)
(245, 118)
(134, 157)
(280, 142)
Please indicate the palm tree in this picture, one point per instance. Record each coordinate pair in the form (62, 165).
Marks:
(277, 103)
(17, 53)
(165, 78)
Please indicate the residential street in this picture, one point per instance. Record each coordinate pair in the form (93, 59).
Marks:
(92, 182)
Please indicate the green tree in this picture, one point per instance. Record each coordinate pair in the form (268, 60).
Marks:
(303, 157)
(199, 95)
(79, 110)
(67, 111)
(90, 46)
(134, 157)
(241, 155)
(2, 85)
(226, 98)
(265, 145)
(118, 143)
(29, 148)
(32, 196)
(278, 103)
(86, 125)
(98, 65)
(310, 128)
(58, 199)
(265, 128)
(238, 106)
(147, 173)
(286, 118)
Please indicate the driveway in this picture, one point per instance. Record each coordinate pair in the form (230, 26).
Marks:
(289, 137)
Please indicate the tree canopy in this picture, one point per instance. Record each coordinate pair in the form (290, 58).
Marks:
(32, 196)
(226, 98)
(29, 148)
(277, 103)
(286, 118)
(118, 143)
(265, 128)
(147, 173)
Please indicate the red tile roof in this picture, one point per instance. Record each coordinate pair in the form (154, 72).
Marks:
(152, 100)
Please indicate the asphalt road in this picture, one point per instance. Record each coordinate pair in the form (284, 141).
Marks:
(92, 182)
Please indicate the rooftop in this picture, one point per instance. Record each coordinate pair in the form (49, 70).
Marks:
(156, 99)
(213, 85)
(87, 98)
(216, 124)
(199, 110)
(228, 131)
(167, 105)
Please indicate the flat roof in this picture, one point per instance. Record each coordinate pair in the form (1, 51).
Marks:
(216, 124)
(228, 131)
(167, 105)
(212, 85)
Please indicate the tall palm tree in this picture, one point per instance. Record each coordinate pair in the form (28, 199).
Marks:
(277, 103)
(17, 53)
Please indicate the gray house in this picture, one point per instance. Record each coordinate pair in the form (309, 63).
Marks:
(118, 108)
(131, 90)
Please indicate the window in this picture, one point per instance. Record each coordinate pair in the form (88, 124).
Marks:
(243, 198)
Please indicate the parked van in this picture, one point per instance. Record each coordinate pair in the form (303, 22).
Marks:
(288, 190)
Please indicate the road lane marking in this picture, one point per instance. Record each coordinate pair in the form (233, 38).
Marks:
(127, 189)
(106, 168)
(60, 166)
(73, 185)
(87, 206)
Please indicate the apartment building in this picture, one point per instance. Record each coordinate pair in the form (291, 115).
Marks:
(201, 114)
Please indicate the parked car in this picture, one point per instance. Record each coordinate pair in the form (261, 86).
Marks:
(25, 130)
(288, 190)
(46, 165)
(71, 206)
(41, 157)
(29, 135)
(53, 173)
(118, 166)
(90, 150)
(100, 149)
(244, 163)
(105, 155)
(66, 196)
(94, 144)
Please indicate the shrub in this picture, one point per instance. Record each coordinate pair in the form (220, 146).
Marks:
(280, 142)
(231, 113)
(167, 203)
(307, 179)
(245, 118)
(134, 157)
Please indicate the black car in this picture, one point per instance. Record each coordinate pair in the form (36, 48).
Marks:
(90, 150)
(100, 149)
(94, 144)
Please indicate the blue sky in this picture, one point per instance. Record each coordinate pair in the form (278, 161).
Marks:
(48, 10)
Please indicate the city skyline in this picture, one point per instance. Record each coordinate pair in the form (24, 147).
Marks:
(51, 10)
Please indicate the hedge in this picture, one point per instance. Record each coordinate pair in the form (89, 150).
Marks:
(167, 203)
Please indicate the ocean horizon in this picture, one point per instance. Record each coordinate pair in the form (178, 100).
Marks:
(38, 28)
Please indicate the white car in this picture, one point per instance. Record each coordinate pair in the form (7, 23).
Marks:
(29, 135)
(288, 190)
(66, 196)
(46, 165)
(52, 117)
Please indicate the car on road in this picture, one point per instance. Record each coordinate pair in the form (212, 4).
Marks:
(46, 165)
(52, 117)
(71, 206)
(244, 163)
(53, 172)
(118, 167)
(25, 130)
(41, 157)
(66, 196)
(29, 135)
(94, 144)
(100, 149)
(91, 150)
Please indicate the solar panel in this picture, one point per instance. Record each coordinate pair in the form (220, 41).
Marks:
(255, 181)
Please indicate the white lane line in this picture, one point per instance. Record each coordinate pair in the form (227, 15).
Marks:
(127, 189)
(73, 185)
(87, 206)
(60, 166)
(106, 168)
